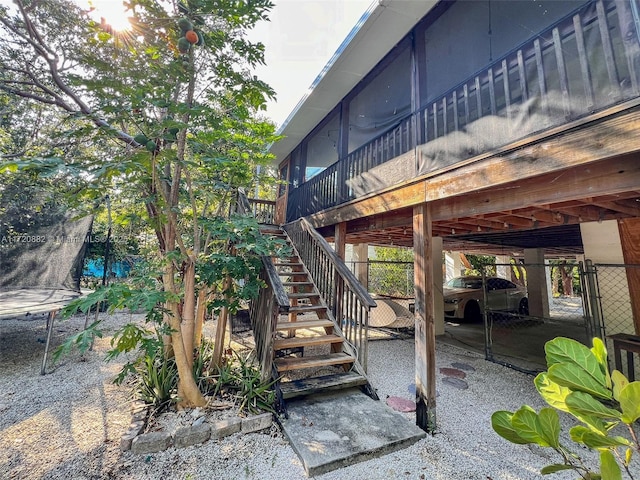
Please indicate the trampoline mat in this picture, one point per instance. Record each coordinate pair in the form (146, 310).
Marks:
(23, 301)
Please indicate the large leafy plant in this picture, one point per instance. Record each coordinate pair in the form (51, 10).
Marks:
(606, 405)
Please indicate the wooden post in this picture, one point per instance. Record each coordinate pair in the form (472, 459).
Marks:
(425, 321)
(629, 236)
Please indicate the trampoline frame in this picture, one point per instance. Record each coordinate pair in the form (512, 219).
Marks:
(15, 303)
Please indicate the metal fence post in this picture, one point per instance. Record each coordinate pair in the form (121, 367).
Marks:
(488, 349)
(592, 307)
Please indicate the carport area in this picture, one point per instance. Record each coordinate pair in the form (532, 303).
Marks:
(569, 294)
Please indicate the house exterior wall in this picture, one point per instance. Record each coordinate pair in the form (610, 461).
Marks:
(535, 71)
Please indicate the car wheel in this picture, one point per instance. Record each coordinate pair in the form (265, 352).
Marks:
(523, 308)
(472, 312)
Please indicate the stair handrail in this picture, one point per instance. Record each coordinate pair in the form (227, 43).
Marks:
(274, 280)
(242, 206)
(348, 301)
(262, 210)
(347, 275)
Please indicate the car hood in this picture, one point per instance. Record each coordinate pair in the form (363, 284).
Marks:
(458, 292)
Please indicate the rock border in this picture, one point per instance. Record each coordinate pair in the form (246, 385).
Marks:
(197, 433)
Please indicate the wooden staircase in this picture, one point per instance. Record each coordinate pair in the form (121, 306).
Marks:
(310, 352)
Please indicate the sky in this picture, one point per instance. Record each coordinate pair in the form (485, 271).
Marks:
(300, 38)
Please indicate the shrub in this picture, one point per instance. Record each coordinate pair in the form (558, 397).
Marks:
(578, 382)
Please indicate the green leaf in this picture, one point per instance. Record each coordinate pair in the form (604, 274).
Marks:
(630, 402)
(609, 468)
(553, 393)
(575, 377)
(584, 404)
(597, 441)
(567, 350)
(501, 423)
(550, 426)
(600, 352)
(526, 423)
(578, 432)
(619, 382)
(556, 467)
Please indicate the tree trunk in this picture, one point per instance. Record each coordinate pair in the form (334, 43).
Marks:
(567, 279)
(188, 391)
(189, 310)
(201, 311)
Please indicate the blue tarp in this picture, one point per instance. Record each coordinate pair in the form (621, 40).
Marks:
(95, 268)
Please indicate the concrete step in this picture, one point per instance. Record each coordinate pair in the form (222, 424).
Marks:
(339, 428)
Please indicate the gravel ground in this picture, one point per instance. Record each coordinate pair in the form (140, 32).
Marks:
(68, 423)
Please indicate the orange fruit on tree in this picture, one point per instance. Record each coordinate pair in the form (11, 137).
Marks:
(191, 36)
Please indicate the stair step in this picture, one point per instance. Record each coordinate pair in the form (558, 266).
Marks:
(308, 386)
(290, 274)
(295, 342)
(297, 363)
(303, 295)
(296, 284)
(321, 323)
(307, 308)
(288, 264)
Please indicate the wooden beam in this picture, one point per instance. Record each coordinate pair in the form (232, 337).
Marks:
(626, 207)
(630, 239)
(612, 176)
(425, 340)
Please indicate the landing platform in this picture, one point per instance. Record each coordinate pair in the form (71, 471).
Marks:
(333, 430)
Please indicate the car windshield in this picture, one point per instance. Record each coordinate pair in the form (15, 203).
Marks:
(462, 282)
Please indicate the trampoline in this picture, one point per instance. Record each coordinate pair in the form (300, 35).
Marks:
(40, 271)
(23, 302)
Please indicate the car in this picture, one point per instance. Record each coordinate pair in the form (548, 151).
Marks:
(464, 298)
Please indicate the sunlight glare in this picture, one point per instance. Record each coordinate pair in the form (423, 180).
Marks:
(113, 11)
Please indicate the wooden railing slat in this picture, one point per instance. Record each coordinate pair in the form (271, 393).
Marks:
(608, 49)
(562, 72)
(339, 265)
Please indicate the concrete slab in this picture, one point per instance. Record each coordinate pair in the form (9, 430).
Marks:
(333, 430)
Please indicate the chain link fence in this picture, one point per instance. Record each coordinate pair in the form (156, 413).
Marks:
(515, 308)
(526, 307)
(391, 284)
(611, 307)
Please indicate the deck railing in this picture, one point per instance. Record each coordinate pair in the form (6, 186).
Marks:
(263, 210)
(347, 299)
(585, 62)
